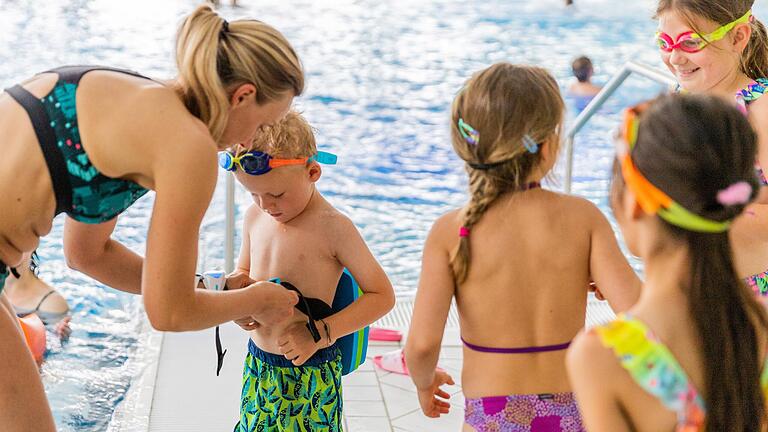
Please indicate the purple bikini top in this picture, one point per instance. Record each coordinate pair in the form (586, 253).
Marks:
(524, 350)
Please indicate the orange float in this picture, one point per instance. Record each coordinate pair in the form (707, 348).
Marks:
(34, 333)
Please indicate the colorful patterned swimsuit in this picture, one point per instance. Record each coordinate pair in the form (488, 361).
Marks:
(744, 98)
(655, 370)
(81, 191)
(753, 92)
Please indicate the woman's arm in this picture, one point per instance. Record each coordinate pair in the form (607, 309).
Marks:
(167, 283)
(608, 267)
(90, 249)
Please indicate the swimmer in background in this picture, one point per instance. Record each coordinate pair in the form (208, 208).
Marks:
(28, 294)
(583, 90)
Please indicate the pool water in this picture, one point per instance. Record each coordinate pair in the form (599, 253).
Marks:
(381, 76)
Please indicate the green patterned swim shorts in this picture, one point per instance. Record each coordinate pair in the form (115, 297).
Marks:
(278, 396)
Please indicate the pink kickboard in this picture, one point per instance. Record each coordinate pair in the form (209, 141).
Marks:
(383, 334)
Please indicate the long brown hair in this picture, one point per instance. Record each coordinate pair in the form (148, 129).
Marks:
(754, 60)
(683, 152)
(214, 56)
(503, 103)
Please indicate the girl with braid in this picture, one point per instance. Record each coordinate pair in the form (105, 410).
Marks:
(518, 260)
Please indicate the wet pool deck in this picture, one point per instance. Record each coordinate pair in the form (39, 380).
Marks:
(181, 392)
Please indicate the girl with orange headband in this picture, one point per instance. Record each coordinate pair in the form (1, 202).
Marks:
(690, 356)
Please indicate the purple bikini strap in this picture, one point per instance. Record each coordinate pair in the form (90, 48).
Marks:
(525, 350)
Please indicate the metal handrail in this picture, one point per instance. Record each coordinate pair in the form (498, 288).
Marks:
(610, 88)
(229, 241)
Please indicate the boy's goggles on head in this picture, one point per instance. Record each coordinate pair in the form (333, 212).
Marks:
(257, 163)
(652, 199)
(692, 42)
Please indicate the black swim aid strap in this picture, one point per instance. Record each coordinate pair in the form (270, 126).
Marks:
(46, 137)
(304, 307)
(219, 353)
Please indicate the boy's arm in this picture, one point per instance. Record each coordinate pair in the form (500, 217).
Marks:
(240, 277)
(433, 302)
(378, 295)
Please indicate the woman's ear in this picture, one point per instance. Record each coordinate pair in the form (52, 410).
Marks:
(243, 93)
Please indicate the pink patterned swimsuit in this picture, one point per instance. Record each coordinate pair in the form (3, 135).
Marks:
(556, 412)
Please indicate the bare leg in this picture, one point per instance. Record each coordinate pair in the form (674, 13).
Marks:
(23, 406)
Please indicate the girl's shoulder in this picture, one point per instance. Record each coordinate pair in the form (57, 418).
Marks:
(445, 229)
(572, 206)
(589, 357)
(448, 221)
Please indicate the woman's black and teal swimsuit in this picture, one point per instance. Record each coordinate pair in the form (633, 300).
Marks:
(81, 191)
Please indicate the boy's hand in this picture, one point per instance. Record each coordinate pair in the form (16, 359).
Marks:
(431, 406)
(296, 343)
(275, 303)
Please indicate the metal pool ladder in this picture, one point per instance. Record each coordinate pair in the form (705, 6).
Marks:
(628, 69)
(610, 88)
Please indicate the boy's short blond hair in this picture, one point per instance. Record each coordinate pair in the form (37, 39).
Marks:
(291, 138)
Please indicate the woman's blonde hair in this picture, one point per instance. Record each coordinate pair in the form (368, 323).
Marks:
(214, 57)
(505, 105)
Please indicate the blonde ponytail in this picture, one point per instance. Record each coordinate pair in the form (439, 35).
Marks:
(214, 56)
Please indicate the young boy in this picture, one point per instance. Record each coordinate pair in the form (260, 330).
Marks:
(292, 381)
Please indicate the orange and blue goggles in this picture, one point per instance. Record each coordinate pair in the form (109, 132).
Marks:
(652, 199)
(258, 163)
(692, 42)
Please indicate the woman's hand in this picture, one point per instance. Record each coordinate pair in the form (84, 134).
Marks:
(296, 343)
(275, 303)
(431, 406)
(62, 328)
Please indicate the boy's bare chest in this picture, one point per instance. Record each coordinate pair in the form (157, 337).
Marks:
(300, 255)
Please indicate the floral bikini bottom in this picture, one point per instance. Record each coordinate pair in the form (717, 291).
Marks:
(556, 412)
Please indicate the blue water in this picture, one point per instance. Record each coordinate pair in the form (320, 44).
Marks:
(381, 76)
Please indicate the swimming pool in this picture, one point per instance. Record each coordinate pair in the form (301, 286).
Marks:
(381, 76)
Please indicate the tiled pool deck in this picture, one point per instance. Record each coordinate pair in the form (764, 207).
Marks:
(187, 395)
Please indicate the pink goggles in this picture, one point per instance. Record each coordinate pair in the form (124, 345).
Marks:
(692, 42)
